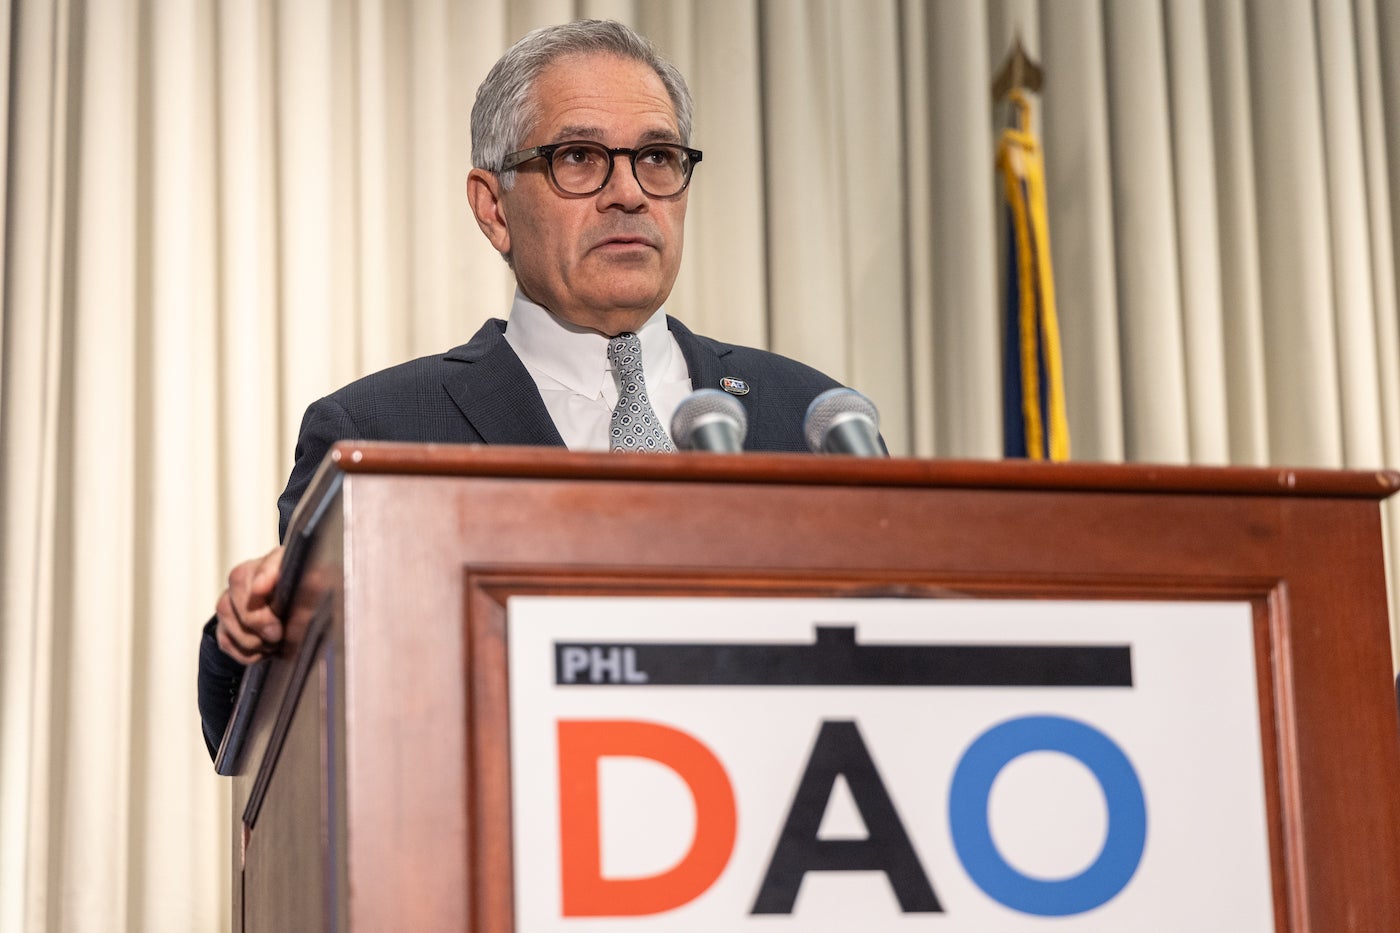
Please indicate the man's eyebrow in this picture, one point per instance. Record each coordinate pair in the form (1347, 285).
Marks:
(660, 136)
(580, 131)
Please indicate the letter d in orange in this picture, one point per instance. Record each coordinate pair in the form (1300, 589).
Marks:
(586, 893)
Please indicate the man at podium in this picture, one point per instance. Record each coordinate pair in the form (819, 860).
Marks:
(582, 165)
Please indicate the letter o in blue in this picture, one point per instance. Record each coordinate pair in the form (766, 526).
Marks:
(968, 820)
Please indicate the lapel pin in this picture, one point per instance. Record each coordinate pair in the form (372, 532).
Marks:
(734, 386)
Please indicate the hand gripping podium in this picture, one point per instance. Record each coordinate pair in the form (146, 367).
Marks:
(528, 689)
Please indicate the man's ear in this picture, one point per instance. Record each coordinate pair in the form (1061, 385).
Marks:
(484, 194)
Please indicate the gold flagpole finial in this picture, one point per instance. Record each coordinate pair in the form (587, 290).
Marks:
(1018, 72)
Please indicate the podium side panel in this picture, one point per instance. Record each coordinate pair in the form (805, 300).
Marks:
(286, 891)
(288, 824)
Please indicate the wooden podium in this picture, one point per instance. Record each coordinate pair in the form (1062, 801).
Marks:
(371, 772)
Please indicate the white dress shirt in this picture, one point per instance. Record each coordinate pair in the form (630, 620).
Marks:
(570, 367)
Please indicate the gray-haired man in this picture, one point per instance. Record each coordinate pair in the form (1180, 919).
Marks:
(581, 148)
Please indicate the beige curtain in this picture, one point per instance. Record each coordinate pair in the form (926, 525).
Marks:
(216, 212)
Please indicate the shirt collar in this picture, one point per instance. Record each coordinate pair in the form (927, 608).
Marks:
(574, 356)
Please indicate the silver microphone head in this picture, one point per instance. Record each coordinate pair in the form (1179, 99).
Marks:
(842, 421)
(710, 420)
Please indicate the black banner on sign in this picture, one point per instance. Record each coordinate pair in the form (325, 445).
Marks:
(835, 660)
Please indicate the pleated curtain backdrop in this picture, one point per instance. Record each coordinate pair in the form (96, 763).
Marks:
(217, 212)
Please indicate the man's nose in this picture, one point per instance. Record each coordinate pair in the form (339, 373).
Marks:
(622, 189)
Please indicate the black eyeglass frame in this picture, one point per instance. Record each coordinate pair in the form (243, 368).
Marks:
(516, 159)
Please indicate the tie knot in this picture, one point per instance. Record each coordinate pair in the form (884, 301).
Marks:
(625, 352)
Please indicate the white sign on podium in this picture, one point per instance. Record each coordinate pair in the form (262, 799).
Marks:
(831, 764)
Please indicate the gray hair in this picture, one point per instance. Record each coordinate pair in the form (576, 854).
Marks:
(505, 114)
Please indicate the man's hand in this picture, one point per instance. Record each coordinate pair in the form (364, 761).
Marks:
(248, 630)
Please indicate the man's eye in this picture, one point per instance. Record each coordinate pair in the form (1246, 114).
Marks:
(658, 156)
(575, 155)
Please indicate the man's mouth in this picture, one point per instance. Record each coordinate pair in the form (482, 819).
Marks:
(624, 241)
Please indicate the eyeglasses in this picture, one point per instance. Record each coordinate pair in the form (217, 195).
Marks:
(662, 170)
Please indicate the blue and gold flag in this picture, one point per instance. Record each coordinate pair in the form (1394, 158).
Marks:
(1034, 421)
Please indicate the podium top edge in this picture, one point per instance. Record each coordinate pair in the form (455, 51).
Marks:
(366, 457)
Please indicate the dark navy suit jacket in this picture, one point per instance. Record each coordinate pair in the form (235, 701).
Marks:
(480, 393)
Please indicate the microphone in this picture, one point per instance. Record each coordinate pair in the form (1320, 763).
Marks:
(842, 421)
(710, 420)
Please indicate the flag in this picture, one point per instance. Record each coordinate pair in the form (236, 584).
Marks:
(1034, 421)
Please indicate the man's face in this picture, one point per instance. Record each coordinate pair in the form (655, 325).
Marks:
(604, 261)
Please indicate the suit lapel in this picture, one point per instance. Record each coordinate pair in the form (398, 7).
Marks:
(704, 358)
(496, 394)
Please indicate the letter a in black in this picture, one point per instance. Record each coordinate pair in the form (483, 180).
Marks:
(839, 749)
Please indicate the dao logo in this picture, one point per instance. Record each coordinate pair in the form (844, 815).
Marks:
(840, 753)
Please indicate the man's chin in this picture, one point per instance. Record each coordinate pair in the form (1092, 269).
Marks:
(610, 308)
(624, 313)
(624, 292)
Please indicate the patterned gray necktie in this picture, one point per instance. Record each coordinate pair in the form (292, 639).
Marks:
(634, 423)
